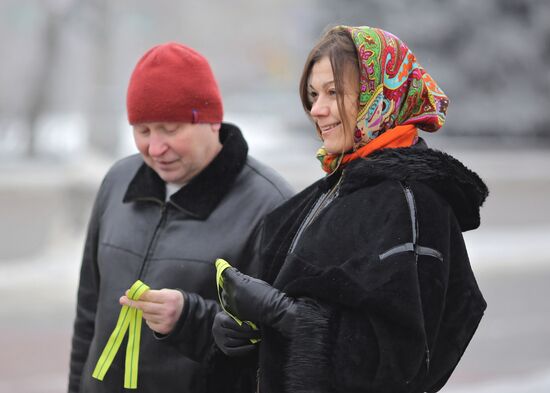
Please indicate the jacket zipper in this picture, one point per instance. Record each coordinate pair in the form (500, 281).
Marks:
(323, 201)
(153, 239)
(319, 205)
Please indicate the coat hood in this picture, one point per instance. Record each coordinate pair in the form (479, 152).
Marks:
(462, 188)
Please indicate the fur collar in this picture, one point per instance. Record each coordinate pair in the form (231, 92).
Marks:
(462, 188)
(205, 191)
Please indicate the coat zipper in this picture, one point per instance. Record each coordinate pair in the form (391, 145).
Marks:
(319, 206)
(323, 201)
(153, 239)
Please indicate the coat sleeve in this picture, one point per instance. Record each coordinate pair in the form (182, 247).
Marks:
(370, 323)
(192, 335)
(87, 297)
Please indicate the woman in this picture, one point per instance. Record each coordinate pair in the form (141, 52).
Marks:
(366, 283)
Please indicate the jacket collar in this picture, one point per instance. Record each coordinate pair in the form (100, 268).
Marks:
(205, 191)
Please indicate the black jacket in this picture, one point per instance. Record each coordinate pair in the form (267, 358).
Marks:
(387, 299)
(133, 233)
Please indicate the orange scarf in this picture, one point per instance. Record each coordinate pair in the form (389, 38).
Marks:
(400, 136)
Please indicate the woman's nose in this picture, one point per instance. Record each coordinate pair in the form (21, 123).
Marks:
(319, 109)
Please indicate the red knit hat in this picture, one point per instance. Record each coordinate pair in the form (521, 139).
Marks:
(173, 83)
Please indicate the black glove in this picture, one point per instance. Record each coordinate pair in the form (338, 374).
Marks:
(250, 299)
(232, 339)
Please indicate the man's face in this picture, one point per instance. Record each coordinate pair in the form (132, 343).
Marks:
(177, 152)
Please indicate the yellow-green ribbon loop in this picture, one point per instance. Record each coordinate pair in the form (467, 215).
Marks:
(221, 265)
(129, 320)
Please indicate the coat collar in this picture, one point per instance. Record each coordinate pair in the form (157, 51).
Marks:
(330, 180)
(205, 191)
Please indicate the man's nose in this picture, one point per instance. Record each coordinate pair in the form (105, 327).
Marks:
(157, 145)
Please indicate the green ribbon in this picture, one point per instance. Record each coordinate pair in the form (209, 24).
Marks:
(129, 320)
(221, 265)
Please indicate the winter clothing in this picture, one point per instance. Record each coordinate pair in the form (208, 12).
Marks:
(386, 298)
(255, 300)
(134, 233)
(394, 88)
(233, 339)
(173, 83)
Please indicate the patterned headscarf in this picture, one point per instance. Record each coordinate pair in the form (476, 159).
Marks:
(394, 91)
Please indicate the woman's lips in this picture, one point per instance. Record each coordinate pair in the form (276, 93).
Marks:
(329, 127)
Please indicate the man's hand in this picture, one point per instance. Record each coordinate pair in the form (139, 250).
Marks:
(161, 308)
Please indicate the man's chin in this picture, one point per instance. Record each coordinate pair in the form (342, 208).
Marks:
(171, 177)
(167, 176)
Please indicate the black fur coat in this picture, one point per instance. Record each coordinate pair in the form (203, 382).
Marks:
(388, 300)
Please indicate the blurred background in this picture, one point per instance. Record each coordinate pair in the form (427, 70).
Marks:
(64, 70)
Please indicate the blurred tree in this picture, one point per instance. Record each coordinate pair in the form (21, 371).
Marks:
(39, 93)
(101, 117)
(55, 13)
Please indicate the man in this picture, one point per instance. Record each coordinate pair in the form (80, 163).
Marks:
(163, 216)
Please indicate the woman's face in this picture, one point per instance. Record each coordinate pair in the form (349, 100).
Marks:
(324, 106)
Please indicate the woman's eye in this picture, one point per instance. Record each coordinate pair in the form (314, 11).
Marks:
(312, 97)
(332, 92)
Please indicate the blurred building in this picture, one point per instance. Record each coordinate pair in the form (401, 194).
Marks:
(65, 63)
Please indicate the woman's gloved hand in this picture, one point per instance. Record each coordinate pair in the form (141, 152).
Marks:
(233, 339)
(251, 299)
